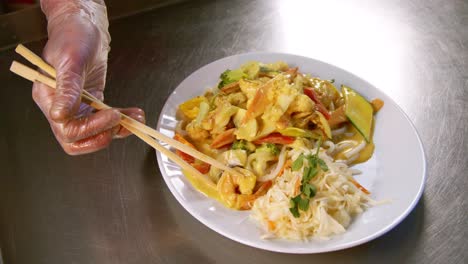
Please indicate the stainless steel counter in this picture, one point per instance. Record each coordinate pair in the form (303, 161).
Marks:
(113, 206)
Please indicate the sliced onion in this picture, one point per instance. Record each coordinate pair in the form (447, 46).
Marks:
(279, 165)
(345, 144)
(355, 150)
(339, 131)
(330, 146)
(202, 112)
(352, 159)
(179, 129)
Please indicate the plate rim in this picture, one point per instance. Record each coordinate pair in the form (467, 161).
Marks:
(357, 242)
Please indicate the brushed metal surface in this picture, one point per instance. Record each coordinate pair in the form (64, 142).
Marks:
(30, 24)
(113, 206)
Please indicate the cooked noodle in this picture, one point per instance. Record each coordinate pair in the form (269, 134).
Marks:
(331, 211)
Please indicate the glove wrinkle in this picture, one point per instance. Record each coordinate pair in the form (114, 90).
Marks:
(78, 48)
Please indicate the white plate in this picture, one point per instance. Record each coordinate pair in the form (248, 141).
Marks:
(396, 171)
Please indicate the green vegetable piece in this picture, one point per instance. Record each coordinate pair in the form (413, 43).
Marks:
(305, 176)
(318, 147)
(273, 148)
(309, 190)
(305, 189)
(264, 69)
(312, 160)
(297, 164)
(322, 164)
(244, 145)
(359, 111)
(292, 204)
(239, 144)
(229, 76)
(303, 204)
(295, 212)
(312, 172)
(269, 147)
(296, 199)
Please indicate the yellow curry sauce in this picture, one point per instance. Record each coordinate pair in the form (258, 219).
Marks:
(355, 136)
(208, 190)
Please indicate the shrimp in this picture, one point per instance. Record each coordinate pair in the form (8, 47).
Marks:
(236, 191)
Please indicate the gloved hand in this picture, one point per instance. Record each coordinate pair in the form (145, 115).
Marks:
(77, 48)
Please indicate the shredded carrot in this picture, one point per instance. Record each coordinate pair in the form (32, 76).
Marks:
(297, 186)
(182, 140)
(246, 201)
(359, 186)
(189, 159)
(271, 225)
(263, 189)
(227, 137)
(201, 166)
(286, 165)
(230, 88)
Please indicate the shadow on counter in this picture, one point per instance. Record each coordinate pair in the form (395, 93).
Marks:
(29, 24)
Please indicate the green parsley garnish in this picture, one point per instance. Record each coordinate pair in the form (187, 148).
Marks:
(294, 211)
(303, 204)
(308, 190)
(297, 164)
(323, 165)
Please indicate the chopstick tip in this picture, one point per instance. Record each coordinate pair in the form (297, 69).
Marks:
(19, 47)
(14, 66)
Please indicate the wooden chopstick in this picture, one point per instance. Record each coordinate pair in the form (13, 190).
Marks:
(35, 60)
(97, 104)
(128, 123)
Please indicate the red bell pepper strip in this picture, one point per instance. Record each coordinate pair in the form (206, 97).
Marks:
(189, 159)
(320, 107)
(201, 166)
(275, 138)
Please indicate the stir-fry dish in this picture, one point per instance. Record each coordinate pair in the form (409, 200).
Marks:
(292, 137)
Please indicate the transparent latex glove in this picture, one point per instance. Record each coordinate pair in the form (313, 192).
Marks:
(77, 48)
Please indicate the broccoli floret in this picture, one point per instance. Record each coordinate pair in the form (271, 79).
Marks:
(239, 144)
(244, 145)
(270, 147)
(229, 76)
